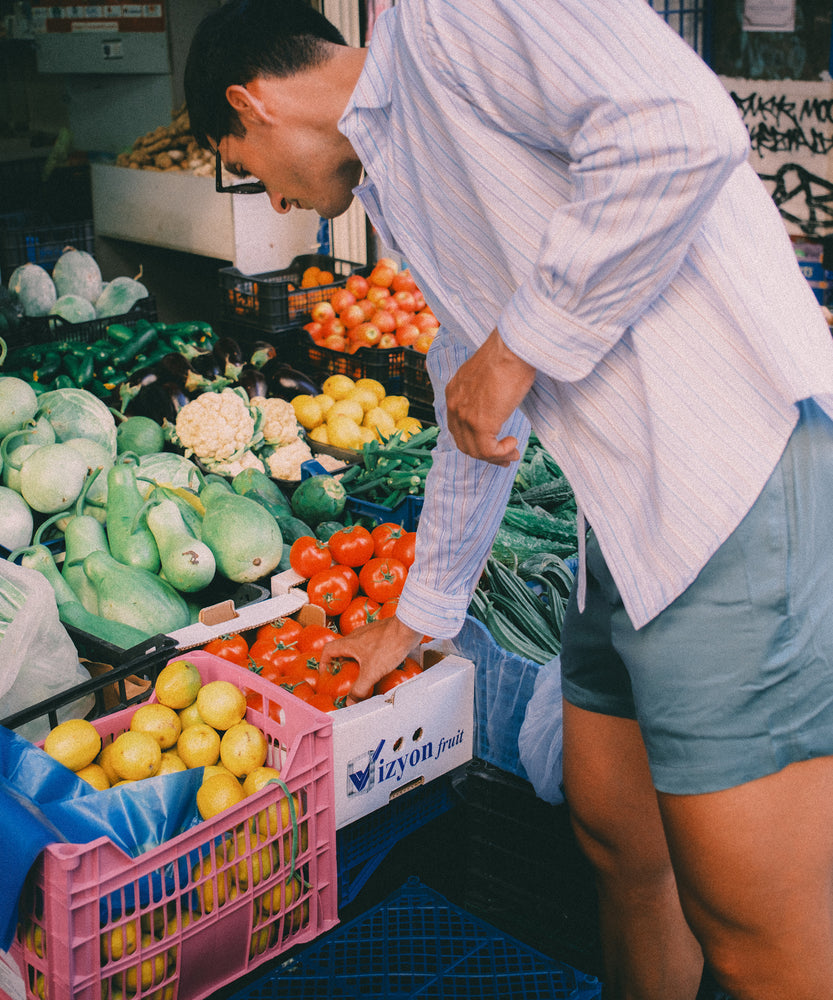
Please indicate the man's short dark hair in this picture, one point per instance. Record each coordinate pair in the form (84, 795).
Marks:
(244, 39)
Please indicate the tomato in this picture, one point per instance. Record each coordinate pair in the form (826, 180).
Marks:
(403, 548)
(274, 664)
(301, 689)
(360, 611)
(330, 589)
(285, 630)
(384, 537)
(323, 702)
(352, 546)
(383, 579)
(309, 556)
(388, 609)
(407, 669)
(232, 647)
(314, 638)
(338, 678)
(350, 576)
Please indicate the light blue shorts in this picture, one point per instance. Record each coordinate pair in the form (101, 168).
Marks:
(734, 679)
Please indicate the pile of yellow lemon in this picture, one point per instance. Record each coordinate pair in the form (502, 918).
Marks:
(351, 412)
(195, 724)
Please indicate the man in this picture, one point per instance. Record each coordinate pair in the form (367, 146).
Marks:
(569, 184)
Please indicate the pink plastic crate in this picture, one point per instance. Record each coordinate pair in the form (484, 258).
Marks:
(196, 915)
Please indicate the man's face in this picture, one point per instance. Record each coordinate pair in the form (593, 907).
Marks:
(299, 166)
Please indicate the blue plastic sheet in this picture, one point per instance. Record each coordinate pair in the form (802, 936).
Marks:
(42, 802)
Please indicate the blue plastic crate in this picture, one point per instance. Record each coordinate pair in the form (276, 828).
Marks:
(416, 944)
(363, 845)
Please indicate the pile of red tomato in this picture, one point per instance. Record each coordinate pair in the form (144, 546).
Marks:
(355, 578)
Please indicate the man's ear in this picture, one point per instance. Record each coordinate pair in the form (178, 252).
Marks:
(245, 103)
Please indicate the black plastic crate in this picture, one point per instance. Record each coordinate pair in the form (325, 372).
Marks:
(284, 340)
(364, 844)
(417, 944)
(275, 299)
(26, 240)
(524, 868)
(385, 364)
(47, 329)
(417, 386)
(113, 689)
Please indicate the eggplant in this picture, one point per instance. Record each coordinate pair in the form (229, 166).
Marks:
(174, 366)
(286, 382)
(253, 381)
(228, 352)
(207, 364)
(262, 351)
(158, 400)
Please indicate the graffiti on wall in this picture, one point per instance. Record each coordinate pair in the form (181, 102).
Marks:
(790, 127)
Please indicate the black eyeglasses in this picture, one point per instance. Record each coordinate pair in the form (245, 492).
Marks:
(244, 187)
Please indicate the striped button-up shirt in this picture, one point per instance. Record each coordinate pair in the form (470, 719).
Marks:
(570, 172)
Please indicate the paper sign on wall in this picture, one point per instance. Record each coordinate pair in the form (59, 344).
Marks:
(769, 15)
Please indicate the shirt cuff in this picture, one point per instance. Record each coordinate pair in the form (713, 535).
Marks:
(431, 612)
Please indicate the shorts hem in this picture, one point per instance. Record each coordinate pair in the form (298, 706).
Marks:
(594, 702)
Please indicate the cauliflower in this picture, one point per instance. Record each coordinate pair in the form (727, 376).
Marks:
(230, 467)
(286, 460)
(278, 424)
(215, 426)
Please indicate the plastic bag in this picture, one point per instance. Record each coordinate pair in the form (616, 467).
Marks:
(37, 657)
(540, 742)
(42, 802)
(503, 685)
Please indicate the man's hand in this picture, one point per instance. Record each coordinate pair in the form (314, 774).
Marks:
(379, 647)
(482, 396)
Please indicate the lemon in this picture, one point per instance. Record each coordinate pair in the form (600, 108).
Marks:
(136, 756)
(260, 776)
(281, 896)
(374, 385)
(319, 434)
(338, 386)
(366, 434)
(260, 941)
(177, 684)
(190, 715)
(198, 745)
(74, 743)
(396, 406)
(159, 721)
(344, 433)
(261, 861)
(408, 426)
(243, 748)
(218, 793)
(95, 775)
(34, 938)
(215, 769)
(226, 889)
(150, 970)
(366, 398)
(325, 402)
(221, 704)
(118, 942)
(345, 408)
(105, 760)
(171, 763)
(379, 421)
(308, 411)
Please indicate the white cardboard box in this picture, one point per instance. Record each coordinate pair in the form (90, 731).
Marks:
(181, 211)
(389, 744)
